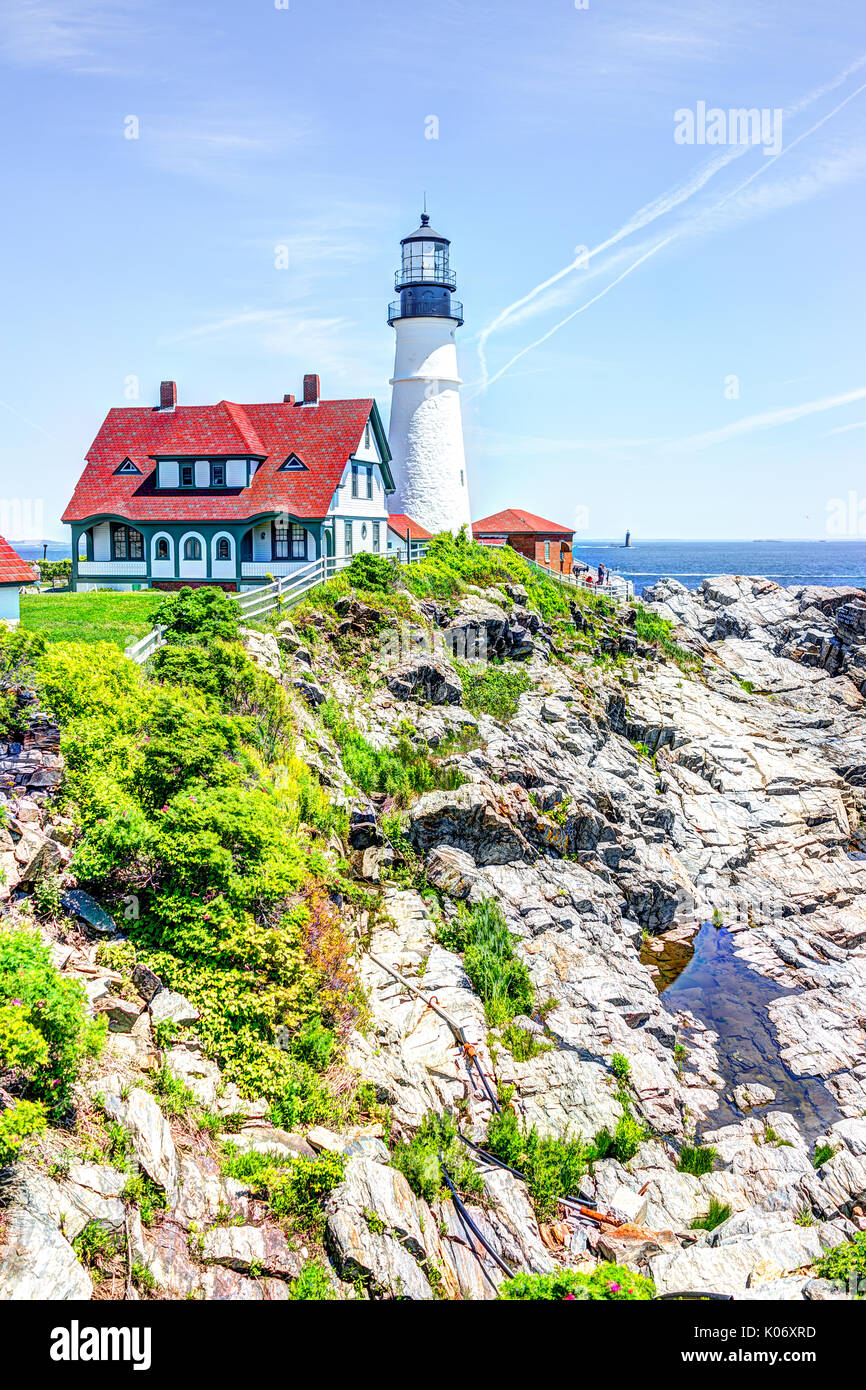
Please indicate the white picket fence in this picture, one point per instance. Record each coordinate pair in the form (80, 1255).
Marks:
(280, 593)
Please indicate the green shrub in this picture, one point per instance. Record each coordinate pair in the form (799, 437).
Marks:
(717, 1213)
(490, 960)
(621, 1068)
(844, 1260)
(823, 1153)
(657, 631)
(96, 1247)
(312, 1284)
(197, 615)
(45, 1034)
(522, 1044)
(696, 1159)
(374, 572)
(400, 772)
(295, 1188)
(220, 669)
(147, 1196)
(18, 1123)
(625, 1141)
(553, 1167)
(193, 803)
(142, 1278)
(314, 1044)
(435, 1144)
(493, 690)
(607, 1282)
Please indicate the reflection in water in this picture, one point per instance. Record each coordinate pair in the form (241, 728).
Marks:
(728, 996)
(668, 954)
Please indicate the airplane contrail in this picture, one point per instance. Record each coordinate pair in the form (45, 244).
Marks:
(489, 381)
(649, 213)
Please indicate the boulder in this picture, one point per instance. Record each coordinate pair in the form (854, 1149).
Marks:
(122, 1014)
(151, 1137)
(37, 1263)
(263, 1248)
(82, 905)
(146, 982)
(171, 1007)
(426, 678)
(387, 1253)
(310, 691)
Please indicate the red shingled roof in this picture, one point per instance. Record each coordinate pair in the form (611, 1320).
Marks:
(401, 523)
(518, 523)
(322, 436)
(13, 570)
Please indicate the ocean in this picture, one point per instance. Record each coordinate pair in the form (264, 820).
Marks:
(787, 562)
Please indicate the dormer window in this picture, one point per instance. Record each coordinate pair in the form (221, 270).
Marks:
(217, 475)
(187, 475)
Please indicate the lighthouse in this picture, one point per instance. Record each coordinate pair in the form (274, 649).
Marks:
(426, 429)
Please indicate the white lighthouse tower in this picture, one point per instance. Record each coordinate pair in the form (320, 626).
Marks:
(426, 430)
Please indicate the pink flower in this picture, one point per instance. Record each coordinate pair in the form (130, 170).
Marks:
(567, 1296)
(615, 1288)
(19, 1003)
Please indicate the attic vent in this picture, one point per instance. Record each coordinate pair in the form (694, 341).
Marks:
(126, 467)
(311, 390)
(167, 395)
(292, 463)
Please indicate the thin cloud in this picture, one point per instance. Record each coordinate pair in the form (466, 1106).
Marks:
(39, 33)
(770, 419)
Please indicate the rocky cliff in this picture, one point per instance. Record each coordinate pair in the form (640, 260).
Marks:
(635, 788)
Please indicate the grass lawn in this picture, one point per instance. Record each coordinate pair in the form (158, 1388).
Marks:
(120, 618)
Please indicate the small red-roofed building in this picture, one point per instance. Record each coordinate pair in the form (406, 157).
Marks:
(15, 573)
(545, 542)
(228, 494)
(406, 537)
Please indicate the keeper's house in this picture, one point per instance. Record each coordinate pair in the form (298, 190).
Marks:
(228, 494)
(545, 542)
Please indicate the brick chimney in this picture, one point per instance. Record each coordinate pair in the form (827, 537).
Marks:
(288, 400)
(311, 390)
(167, 395)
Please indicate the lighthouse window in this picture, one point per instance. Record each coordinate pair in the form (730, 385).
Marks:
(186, 475)
(376, 541)
(354, 480)
(367, 435)
(369, 482)
(347, 544)
(217, 475)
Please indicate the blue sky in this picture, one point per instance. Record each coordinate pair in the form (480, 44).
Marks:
(261, 127)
